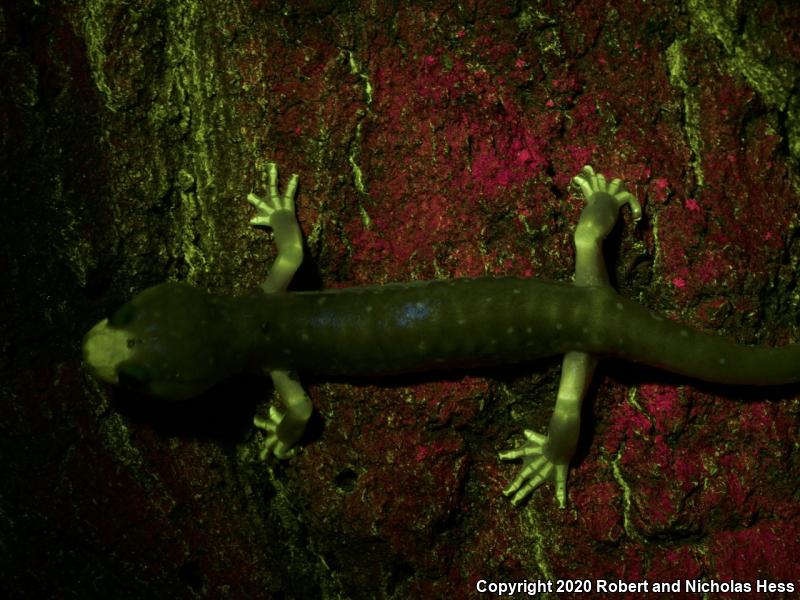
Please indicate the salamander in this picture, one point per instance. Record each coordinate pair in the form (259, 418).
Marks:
(174, 341)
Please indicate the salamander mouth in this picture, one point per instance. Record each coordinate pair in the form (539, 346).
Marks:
(104, 348)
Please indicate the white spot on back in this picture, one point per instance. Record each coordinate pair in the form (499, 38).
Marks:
(619, 305)
(684, 333)
(510, 330)
(321, 300)
(721, 361)
(368, 308)
(304, 336)
(559, 326)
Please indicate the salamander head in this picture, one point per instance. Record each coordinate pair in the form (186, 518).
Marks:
(171, 341)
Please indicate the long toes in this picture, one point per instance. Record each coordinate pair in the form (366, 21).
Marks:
(538, 465)
(291, 188)
(512, 454)
(511, 488)
(561, 485)
(267, 425)
(534, 437)
(526, 490)
(586, 188)
(633, 202)
(267, 447)
(518, 481)
(273, 182)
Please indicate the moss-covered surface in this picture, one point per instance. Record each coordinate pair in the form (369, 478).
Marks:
(434, 140)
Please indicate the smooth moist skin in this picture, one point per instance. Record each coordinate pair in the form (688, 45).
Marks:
(174, 341)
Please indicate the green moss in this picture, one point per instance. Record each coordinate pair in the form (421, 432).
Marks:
(749, 57)
(162, 90)
(691, 107)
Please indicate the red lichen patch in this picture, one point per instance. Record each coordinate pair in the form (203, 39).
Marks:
(688, 467)
(470, 145)
(713, 312)
(665, 406)
(772, 423)
(766, 550)
(451, 403)
(674, 564)
(623, 423)
(411, 484)
(658, 507)
(732, 226)
(599, 508)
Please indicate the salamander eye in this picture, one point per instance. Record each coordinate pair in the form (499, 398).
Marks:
(132, 376)
(123, 315)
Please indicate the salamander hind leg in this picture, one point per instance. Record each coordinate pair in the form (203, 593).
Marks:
(547, 457)
(537, 469)
(603, 203)
(594, 186)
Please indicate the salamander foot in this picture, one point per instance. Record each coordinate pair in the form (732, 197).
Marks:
(537, 468)
(592, 183)
(272, 445)
(277, 211)
(267, 207)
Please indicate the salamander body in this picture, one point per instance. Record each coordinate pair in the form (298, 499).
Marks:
(174, 341)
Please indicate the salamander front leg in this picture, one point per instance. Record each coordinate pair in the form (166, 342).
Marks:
(283, 428)
(547, 457)
(277, 212)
